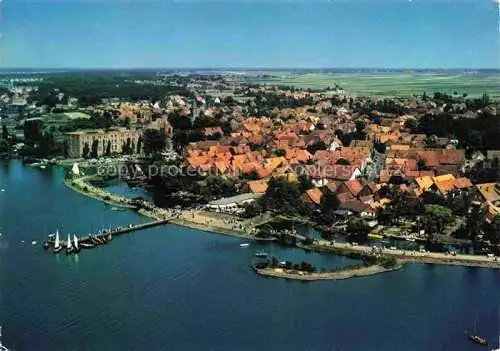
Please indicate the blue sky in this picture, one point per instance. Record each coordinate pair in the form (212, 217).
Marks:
(316, 34)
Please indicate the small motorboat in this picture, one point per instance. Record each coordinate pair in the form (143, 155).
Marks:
(46, 245)
(86, 245)
(33, 242)
(244, 245)
(261, 254)
(477, 339)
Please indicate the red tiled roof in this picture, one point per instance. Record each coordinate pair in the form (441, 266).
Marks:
(258, 186)
(315, 195)
(354, 186)
(462, 183)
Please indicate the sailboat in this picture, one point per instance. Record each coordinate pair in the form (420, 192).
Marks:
(69, 246)
(57, 244)
(75, 244)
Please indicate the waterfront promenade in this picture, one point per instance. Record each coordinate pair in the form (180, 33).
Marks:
(408, 256)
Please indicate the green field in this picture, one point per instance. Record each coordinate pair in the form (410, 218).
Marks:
(391, 84)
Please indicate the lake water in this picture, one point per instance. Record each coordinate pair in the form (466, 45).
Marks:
(174, 288)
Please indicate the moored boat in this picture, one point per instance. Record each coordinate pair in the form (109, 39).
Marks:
(69, 246)
(57, 243)
(87, 245)
(76, 247)
(261, 254)
(244, 245)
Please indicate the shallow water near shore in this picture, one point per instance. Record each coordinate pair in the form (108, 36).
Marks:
(177, 288)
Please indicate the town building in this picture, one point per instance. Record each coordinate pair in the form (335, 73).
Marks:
(116, 138)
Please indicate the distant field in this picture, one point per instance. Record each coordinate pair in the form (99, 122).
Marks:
(391, 84)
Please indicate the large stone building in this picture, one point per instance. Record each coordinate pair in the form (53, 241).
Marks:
(116, 138)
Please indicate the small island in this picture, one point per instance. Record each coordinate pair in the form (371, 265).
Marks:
(307, 272)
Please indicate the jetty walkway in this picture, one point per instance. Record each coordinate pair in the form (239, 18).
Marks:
(106, 235)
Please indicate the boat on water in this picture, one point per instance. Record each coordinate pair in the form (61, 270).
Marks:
(2, 347)
(261, 254)
(86, 245)
(69, 246)
(57, 243)
(76, 247)
(244, 245)
(477, 339)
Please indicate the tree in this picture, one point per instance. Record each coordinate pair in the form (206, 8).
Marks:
(320, 145)
(218, 187)
(32, 131)
(436, 218)
(252, 209)
(430, 141)
(94, 152)
(357, 227)
(5, 132)
(280, 152)
(411, 124)
(108, 148)
(153, 141)
(85, 151)
(283, 196)
(422, 165)
(343, 162)
(360, 126)
(127, 147)
(139, 145)
(305, 182)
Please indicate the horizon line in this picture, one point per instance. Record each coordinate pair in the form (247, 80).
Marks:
(252, 68)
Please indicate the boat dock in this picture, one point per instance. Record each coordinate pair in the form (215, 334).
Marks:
(102, 237)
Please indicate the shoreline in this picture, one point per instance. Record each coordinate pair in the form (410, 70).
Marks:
(291, 274)
(68, 183)
(206, 224)
(408, 256)
(217, 230)
(181, 220)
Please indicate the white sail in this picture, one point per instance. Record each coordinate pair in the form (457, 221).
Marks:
(75, 170)
(75, 241)
(56, 243)
(68, 243)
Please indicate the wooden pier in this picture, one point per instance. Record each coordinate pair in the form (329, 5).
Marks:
(105, 235)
